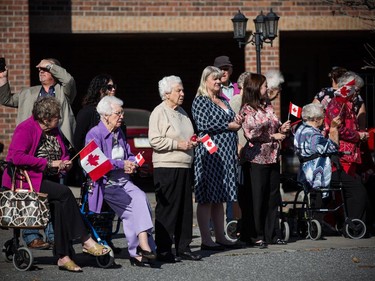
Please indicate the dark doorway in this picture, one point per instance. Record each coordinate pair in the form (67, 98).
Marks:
(306, 58)
(136, 61)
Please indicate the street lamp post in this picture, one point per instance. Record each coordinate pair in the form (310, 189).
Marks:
(265, 31)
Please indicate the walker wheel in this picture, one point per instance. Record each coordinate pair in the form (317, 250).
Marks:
(7, 251)
(285, 230)
(23, 259)
(231, 231)
(106, 260)
(314, 229)
(355, 228)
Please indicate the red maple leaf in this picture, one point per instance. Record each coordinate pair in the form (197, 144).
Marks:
(93, 160)
(209, 144)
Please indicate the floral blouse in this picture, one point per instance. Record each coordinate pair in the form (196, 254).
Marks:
(258, 127)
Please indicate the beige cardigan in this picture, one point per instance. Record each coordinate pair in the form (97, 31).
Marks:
(166, 128)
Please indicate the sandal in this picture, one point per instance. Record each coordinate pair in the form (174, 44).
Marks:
(96, 250)
(70, 266)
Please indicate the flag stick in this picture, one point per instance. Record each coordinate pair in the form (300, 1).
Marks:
(341, 109)
(80, 151)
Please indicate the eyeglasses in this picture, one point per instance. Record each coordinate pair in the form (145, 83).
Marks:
(111, 87)
(119, 113)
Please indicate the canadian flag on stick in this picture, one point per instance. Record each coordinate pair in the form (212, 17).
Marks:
(139, 159)
(209, 144)
(94, 162)
(295, 110)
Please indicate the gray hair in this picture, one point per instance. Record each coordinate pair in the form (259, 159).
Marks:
(209, 70)
(46, 108)
(274, 78)
(349, 76)
(167, 83)
(241, 78)
(312, 111)
(104, 106)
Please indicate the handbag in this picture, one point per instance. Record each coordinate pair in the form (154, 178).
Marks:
(22, 208)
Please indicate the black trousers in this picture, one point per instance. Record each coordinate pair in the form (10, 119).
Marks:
(262, 195)
(355, 194)
(66, 217)
(174, 209)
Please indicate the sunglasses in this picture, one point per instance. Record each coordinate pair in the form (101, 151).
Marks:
(43, 69)
(111, 87)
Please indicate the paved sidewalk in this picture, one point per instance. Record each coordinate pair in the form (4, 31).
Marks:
(333, 258)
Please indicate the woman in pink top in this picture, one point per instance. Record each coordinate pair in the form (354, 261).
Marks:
(264, 133)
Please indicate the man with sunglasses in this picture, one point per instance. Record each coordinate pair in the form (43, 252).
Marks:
(57, 82)
(228, 89)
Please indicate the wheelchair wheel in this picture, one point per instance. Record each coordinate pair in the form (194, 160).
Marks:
(355, 228)
(285, 230)
(7, 251)
(106, 260)
(23, 259)
(231, 231)
(314, 229)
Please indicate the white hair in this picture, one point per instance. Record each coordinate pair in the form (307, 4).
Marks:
(350, 76)
(104, 106)
(312, 111)
(274, 78)
(167, 83)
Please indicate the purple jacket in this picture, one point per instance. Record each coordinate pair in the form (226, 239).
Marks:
(103, 139)
(26, 138)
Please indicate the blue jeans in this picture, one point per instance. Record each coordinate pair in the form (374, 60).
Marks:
(28, 235)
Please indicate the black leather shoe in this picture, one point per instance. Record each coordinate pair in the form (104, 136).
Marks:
(280, 242)
(135, 262)
(188, 255)
(168, 257)
(215, 248)
(146, 254)
(260, 244)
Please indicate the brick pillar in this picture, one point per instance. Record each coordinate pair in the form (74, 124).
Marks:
(15, 47)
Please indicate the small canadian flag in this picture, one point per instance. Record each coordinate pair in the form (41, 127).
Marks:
(139, 159)
(94, 162)
(295, 110)
(209, 144)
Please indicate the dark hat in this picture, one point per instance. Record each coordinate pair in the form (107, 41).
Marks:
(222, 61)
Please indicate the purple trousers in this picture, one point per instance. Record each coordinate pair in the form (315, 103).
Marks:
(132, 207)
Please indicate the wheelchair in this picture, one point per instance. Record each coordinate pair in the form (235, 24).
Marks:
(100, 225)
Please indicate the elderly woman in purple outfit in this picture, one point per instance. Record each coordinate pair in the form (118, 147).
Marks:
(116, 188)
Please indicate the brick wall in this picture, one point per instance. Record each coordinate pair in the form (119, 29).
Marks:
(123, 16)
(14, 46)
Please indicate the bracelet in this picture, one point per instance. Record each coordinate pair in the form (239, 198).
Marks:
(49, 164)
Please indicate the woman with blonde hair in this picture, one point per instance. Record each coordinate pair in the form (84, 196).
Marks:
(215, 174)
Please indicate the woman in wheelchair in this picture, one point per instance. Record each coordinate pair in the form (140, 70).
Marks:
(116, 188)
(38, 146)
(317, 170)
